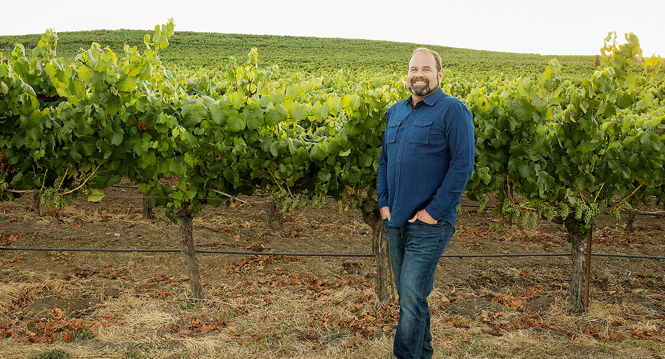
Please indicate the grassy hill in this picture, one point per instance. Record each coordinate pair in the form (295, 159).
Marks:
(309, 54)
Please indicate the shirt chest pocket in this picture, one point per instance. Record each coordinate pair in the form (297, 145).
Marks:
(391, 131)
(420, 132)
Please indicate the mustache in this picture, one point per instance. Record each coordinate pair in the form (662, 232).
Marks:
(419, 79)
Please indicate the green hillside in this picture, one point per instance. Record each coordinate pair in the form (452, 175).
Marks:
(310, 54)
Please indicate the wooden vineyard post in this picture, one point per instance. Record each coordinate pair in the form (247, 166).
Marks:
(384, 279)
(187, 249)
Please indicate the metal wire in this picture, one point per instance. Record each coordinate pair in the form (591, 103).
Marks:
(113, 250)
(120, 250)
(487, 255)
(465, 205)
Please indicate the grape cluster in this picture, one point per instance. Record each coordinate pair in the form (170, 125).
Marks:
(614, 213)
(51, 198)
(564, 211)
(482, 203)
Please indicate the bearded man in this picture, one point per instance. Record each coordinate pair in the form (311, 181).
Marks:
(425, 163)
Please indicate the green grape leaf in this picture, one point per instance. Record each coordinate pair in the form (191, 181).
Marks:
(127, 84)
(95, 195)
(117, 136)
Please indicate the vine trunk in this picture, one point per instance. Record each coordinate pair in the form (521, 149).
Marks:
(187, 250)
(385, 287)
(577, 240)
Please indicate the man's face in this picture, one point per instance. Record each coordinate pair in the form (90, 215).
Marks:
(423, 78)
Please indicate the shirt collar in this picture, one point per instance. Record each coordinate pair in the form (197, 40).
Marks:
(429, 100)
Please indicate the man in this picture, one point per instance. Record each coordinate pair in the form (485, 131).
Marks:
(425, 163)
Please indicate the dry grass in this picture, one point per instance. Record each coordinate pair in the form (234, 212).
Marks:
(275, 307)
(141, 329)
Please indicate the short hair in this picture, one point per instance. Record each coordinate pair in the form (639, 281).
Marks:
(437, 58)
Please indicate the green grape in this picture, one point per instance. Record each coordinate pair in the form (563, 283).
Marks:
(587, 214)
(550, 213)
(579, 210)
(534, 220)
(614, 213)
(507, 206)
(482, 203)
(564, 211)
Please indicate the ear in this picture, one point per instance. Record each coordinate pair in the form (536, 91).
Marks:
(440, 75)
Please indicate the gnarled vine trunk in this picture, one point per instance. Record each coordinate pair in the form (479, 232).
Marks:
(37, 202)
(187, 249)
(629, 222)
(385, 287)
(272, 213)
(580, 265)
(147, 208)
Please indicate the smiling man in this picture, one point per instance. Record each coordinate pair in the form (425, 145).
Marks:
(425, 163)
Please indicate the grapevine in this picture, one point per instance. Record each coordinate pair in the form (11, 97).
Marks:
(546, 147)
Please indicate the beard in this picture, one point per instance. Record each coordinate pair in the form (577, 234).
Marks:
(422, 91)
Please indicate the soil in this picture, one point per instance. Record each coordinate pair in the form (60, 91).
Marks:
(135, 305)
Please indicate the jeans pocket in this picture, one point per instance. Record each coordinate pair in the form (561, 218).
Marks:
(418, 221)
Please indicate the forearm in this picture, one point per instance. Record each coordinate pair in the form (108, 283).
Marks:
(460, 167)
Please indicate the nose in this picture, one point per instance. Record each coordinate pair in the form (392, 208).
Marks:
(418, 73)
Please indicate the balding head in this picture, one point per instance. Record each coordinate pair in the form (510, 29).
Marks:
(434, 54)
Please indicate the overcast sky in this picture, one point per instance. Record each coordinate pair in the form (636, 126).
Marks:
(529, 26)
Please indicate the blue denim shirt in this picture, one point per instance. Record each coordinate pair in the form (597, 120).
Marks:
(426, 159)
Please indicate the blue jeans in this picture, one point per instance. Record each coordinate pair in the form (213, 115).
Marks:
(415, 250)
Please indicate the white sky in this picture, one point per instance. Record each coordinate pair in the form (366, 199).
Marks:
(529, 26)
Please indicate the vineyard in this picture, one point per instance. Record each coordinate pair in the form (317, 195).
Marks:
(313, 56)
(558, 157)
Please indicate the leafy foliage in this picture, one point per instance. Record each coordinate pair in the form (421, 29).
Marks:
(568, 147)
(310, 55)
(571, 150)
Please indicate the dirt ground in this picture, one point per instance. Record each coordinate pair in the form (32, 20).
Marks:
(138, 305)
